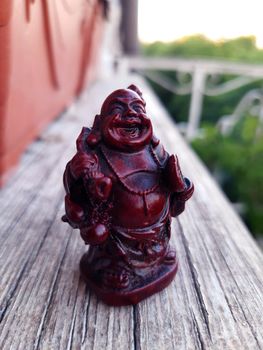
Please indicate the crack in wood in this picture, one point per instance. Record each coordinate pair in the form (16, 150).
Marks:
(72, 326)
(84, 326)
(7, 302)
(31, 258)
(197, 331)
(218, 278)
(233, 278)
(41, 326)
(194, 275)
(221, 285)
(228, 302)
(95, 324)
(136, 328)
(250, 327)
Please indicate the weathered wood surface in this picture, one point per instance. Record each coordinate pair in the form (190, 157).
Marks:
(215, 302)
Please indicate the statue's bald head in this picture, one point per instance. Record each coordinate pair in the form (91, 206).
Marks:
(129, 94)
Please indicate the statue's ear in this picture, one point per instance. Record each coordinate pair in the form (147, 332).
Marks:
(155, 141)
(93, 139)
(81, 140)
(94, 136)
(136, 89)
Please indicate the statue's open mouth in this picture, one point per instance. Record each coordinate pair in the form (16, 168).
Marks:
(131, 130)
(132, 127)
(128, 131)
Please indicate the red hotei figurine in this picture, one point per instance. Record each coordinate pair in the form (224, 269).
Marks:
(122, 188)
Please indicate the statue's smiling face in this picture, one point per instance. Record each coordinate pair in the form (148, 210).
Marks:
(125, 125)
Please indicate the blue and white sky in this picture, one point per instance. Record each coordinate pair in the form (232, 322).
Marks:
(167, 20)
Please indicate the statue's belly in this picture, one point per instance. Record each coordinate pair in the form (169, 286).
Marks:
(132, 210)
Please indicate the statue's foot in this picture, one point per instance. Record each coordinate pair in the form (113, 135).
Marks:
(120, 287)
(115, 279)
(170, 258)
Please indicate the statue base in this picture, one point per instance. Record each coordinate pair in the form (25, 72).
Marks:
(140, 286)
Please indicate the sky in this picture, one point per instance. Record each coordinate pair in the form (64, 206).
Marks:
(167, 20)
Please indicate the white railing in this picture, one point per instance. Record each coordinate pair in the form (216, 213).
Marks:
(199, 70)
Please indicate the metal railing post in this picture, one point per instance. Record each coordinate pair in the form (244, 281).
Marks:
(198, 86)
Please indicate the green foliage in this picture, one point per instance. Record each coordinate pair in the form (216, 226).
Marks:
(238, 157)
(235, 159)
(240, 49)
(214, 107)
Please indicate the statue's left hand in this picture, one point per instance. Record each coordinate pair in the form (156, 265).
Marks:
(177, 201)
(94, 234)
(173, 175)
(83, 163)
(100, 187)
(74, 213)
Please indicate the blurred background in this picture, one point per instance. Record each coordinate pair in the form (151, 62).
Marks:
(204, 60)
(215, 84)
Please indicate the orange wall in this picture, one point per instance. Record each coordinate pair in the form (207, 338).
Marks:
(46, 57)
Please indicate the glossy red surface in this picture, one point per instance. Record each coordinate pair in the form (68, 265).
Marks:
(122, 188)
(49, 52)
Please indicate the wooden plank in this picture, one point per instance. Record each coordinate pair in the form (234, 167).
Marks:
(37, 296)
(215, 302)
(217, 293)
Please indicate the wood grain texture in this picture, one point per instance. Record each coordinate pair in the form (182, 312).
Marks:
(215, 301)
